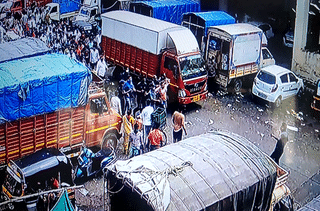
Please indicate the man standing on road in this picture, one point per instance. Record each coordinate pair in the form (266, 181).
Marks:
(276, 154)
(178, 124)
(146, 119)
(155, 138)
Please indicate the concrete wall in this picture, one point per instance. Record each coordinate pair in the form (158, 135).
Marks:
(306, 64)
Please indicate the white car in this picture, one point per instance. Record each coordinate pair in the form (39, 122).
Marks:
(274, 84)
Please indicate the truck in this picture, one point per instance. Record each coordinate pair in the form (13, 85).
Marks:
(48, 101)
(234, 53)
(151, 47)
(167, 10)
(218, 170)
(62, 9)
(89, 15)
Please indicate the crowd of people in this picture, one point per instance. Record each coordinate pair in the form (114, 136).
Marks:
(135, 102)
(61, 37)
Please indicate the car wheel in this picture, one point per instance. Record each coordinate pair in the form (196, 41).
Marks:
(300, 93)
(277, 103)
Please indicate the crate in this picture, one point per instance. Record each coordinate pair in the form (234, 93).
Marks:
(159, 116)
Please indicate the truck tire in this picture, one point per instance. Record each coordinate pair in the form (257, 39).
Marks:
(109, 140)
(237, 85)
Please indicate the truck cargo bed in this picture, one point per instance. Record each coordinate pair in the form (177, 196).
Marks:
(59, 129)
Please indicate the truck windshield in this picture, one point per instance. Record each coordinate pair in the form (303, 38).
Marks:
(84, 12)
(192, 66)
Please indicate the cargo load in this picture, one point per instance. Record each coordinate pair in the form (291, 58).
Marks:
(167, 10)
(41, 84)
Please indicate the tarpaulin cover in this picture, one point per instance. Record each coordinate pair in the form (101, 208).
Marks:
(169, 10)
(212, 18)
(68, 5)
(41, 84)
(215, 171)
(21, 48)
(63, 203)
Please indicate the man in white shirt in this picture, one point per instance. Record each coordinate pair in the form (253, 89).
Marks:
(101, 67)
(116, 103)
(146, 118)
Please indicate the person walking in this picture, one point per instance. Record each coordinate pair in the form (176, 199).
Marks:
(178, 125)
(128, 93)
(155, 138)
(146, 119)
(278, 151)
(136, 142)
(116, 103)
(127, 123)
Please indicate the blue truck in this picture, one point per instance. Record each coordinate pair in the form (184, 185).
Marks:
(167, 10)
(62, 9)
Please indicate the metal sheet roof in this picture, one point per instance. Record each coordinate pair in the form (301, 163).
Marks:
(238, 28)
(198, 172)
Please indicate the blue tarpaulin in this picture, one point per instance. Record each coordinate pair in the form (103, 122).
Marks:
(68, 5)
(41, 84)
(212, 18)
(167, 10)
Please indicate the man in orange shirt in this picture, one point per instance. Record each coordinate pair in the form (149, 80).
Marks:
(178, 124)
(155, 138)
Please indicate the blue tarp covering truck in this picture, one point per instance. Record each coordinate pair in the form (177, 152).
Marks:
(62, 9)
(167, 10)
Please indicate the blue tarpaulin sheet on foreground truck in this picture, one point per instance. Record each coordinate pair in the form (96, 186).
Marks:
(68, 5)
(41, 84)
(167, 10)
(207, 19)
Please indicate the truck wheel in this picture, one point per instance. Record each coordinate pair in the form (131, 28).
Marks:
(109, 140)
(237, 85)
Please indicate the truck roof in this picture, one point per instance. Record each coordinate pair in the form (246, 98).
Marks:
(146, 33)
(21, 48)
(199, 172)
(211, 18)
(238, 28)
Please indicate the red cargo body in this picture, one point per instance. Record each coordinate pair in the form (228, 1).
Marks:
(142, 62)
(63, 129)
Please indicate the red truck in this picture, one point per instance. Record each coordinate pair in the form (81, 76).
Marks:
(149, 47)
(16, 6)
(55, 107)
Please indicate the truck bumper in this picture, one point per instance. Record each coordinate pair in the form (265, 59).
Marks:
(194, 98)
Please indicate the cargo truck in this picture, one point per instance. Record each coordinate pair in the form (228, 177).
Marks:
(234, 53)
(167, 10)
(150, 47)
(215, 171)
(62, 9)
(47, 101)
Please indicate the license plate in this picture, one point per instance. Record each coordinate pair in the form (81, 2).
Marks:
(262, 95)
(195, 98)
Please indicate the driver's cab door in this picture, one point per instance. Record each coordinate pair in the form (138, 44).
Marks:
(171, 69)
(98, 119)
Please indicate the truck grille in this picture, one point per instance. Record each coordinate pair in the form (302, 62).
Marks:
(193, 88)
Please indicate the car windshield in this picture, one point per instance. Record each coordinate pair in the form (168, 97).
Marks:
(266, 77)
(192, 66)
(12, 184)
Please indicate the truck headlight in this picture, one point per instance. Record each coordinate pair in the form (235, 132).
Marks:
(181, 93)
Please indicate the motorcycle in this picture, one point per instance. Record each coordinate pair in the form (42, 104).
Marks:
(91, 164)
